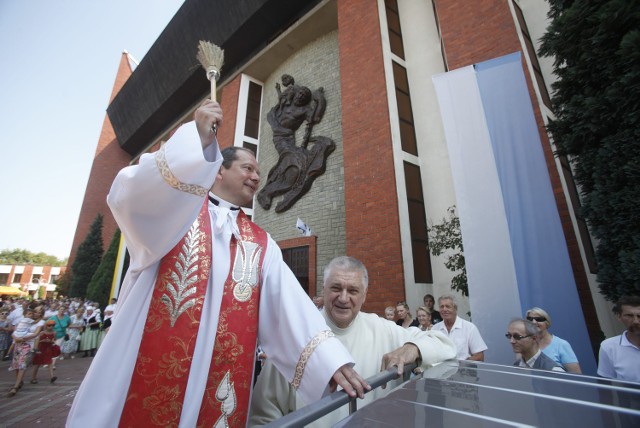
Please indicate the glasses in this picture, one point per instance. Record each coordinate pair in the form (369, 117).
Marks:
(539, 319)
(516, 336)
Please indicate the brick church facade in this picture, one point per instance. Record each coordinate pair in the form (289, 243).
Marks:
(389, 175)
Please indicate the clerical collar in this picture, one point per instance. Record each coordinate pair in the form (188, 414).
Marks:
(216, 202)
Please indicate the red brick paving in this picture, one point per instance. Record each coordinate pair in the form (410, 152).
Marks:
(43, 404)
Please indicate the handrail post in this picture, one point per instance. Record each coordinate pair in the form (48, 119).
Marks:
(353, 406)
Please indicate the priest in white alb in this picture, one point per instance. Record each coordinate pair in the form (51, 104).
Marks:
(375, 342)
(204, 285)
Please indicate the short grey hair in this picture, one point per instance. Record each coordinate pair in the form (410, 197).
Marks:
(529, 327)
(448, 297)
(346, 263)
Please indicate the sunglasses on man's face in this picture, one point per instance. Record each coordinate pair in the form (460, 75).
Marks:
(538, 319)
(515, 336)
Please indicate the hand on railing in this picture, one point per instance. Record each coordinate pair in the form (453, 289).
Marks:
(338, 399)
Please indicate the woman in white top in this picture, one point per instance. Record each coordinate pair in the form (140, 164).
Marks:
(70, 345)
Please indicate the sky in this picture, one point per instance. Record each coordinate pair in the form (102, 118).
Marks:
(59, 63)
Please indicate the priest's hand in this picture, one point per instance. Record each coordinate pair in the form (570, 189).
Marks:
(208, 117)
(352, 383)
(407, 353)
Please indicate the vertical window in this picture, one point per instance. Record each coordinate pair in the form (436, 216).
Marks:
(248, 119)
(409, 145)
(531, 50)
(393, 25)
(251, 146)
(297, 258)
(17, 278)
(252, 119)
(4, 278)
(418, 224)
(405, 113)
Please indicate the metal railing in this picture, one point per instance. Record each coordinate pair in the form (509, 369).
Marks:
(335, 400)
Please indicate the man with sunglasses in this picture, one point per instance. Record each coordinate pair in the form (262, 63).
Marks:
(523, 336)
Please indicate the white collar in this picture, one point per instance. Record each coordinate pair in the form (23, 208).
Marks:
(226, 216)
(531, 361)
(222, 202)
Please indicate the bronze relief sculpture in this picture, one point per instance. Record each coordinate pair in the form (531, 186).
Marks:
(298, 165)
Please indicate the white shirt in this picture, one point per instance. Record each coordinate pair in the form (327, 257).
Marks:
(15, 315)
(368, 338)
(109, 311)
(143, 204)
(619, 359)
(50, 313)
(465, 335)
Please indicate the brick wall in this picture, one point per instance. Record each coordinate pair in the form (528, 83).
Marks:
(373, 231)
(229, 102)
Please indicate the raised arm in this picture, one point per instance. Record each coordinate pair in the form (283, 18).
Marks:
(156, 201)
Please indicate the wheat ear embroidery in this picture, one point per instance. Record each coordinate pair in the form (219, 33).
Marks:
(181, 288)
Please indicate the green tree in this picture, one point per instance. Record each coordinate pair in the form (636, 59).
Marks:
(446, 237)
(596, 49)
(99, 288)
(21, 256)
(63, 284)
(87, 259)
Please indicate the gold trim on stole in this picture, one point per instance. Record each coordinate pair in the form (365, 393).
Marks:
(306, 354)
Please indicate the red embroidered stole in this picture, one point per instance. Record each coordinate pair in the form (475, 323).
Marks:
(159, 380)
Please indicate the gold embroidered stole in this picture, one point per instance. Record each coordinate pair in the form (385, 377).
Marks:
(159, 380)
(226, 398)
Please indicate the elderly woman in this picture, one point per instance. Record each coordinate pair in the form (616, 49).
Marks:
(424, 318)
(91, 333)
(404, 316)
(553, 347)
(70, 345)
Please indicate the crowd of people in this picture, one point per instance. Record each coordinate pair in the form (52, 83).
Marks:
(39, 333)
(531, 340)
(468, 340)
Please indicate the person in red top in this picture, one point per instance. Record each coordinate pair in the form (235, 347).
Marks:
(46, 351)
